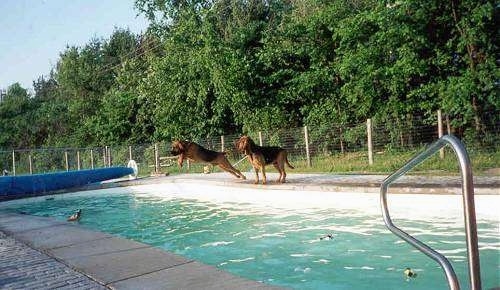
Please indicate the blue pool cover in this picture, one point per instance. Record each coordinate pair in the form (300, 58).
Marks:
(26, 185)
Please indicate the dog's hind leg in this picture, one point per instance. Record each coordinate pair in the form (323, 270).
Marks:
(227, 169)
(239, 173)
(234, 170)
(225, 165)
(288, 163)
(280, 165)
(283, 176)
(264, 178)
(276, 165)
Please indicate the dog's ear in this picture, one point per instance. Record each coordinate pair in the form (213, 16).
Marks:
(176, 145)
(241, 144)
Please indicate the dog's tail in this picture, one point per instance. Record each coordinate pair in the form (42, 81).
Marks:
(288, 163)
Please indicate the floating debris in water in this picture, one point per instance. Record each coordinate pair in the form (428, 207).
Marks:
(408, 272)
(49, 198)
(327, 237)
(75, 216)
(304, 270)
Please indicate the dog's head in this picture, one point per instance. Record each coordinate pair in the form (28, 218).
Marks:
(178, 147)
(243, 145)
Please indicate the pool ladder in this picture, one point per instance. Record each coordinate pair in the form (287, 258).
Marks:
(469, 211)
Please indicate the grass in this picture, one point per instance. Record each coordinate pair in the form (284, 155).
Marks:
(384, 163)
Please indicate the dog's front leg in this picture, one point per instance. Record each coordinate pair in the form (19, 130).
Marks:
(256, 175)
(180, 160)
(264, 179)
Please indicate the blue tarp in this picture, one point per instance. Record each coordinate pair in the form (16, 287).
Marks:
(25, 185)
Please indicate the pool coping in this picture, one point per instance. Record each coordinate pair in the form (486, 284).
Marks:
(115, 262)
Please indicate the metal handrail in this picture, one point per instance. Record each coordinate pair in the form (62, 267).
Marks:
(469, 211)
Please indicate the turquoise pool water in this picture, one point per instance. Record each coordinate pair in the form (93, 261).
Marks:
(280, 246)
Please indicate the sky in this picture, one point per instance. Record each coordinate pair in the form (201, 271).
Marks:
(35, 32)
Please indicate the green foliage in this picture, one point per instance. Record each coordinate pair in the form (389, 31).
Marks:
(16, 118)
(207, 68)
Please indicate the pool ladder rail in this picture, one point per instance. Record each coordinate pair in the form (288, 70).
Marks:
(469, 211)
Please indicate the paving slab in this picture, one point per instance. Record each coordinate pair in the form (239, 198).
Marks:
(56, 236)
(193, 275)
(116, 266)
(96, 247)
(12, 223)
(22, 267)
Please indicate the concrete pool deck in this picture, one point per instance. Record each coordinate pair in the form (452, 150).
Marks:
(411, 184)
(43, 253)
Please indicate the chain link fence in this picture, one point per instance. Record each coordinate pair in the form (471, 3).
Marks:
(341, 148)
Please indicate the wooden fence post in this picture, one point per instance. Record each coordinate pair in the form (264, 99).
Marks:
(342, 150)
(157, 159)
(109, 156)
(31, 163)
(104, 156)
(92, 158)
(306, 137)
(370, 143)
(260, 138)
(13, 162)
(78, 165)
(66, 159)
(440, 132)
(222, 143)
(129, 152)
(448, 126)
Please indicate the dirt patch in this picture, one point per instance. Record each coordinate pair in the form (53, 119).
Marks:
(492, 171)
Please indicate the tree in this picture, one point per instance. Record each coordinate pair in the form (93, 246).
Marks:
(16, 118)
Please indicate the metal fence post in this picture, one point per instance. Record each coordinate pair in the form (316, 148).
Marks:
(222, 143)
(31, 163)
(370, 143)
(306, 137)
(440, 132)
(13, 162)
(66, 159)
(92, 158)
(260, 138)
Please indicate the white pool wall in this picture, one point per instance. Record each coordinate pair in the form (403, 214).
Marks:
(407, 206)
(441, 207)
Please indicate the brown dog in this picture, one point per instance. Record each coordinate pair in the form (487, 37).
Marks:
(196, 153)
(260, 156)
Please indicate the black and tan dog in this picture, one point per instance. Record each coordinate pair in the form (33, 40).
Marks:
(196, 153)
(260, 156)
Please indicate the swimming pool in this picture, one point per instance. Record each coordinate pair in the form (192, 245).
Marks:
(273, 236)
